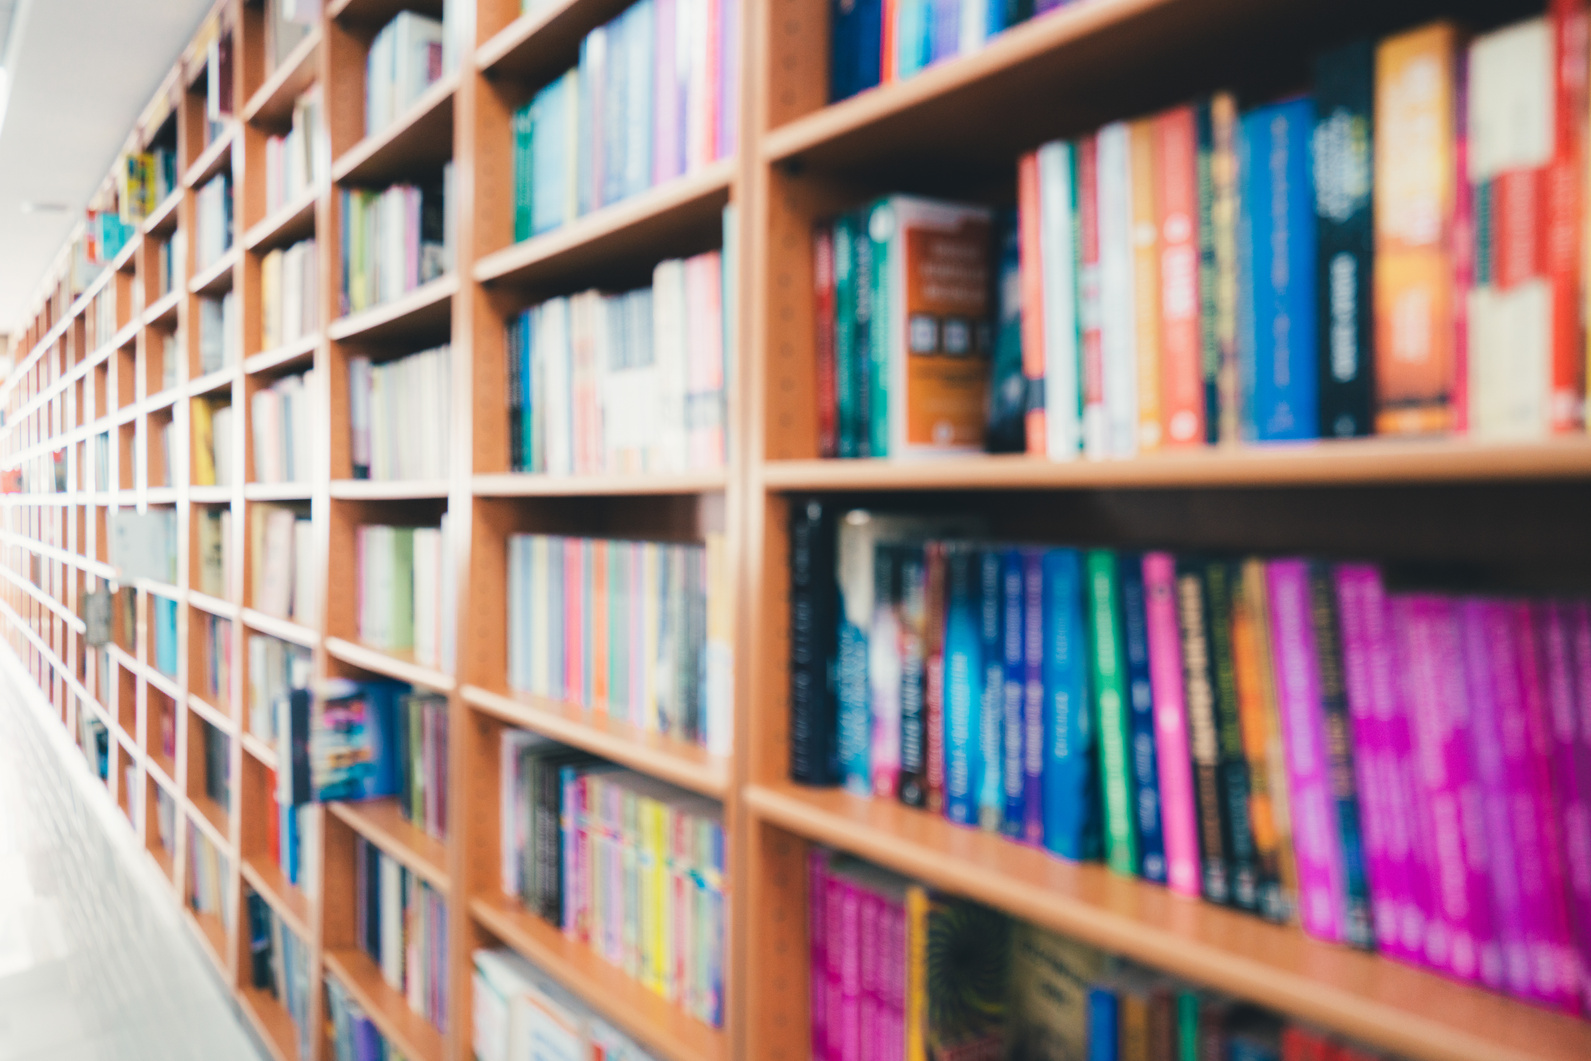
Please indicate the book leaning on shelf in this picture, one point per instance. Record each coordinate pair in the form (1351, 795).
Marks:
(522, 1012)
(1285, 736)
(395, 239)
(626, 382)
(398, 415)
(655, 96)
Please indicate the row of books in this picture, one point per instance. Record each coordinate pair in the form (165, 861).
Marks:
(216, 683)
(93, 740)
(355, 1036)
(207, 876)
(398, 414)
(220, 335)
(1284, 736)
(405, 59)
(297, 161)
(281, 554)
(289, 294)
(627, 865)
(624, 383)
(394, 240)
(293, 837)
(212, 221)
(285, 429)
(521, 1012)
(275, 669)
(899, 970)
(422, 762)
(635, 631)
(400, 921)
(279, 966)
(406, 591)
(145, 180)
(211, 421)
(655, 95)
(217, 762)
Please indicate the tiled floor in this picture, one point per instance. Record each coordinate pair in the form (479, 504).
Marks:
(94, 964)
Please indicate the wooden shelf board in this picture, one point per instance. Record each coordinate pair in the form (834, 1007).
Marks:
(378, 12)
(291, 222)
(288, 354)
(211, 818)
(414, 1036)
(519, 484)
(277, 491)
(417, 138)
(163, 218)
(541, 42)
(216, 277)
(285, 629)
(1324, 463)
(212, 935)
(163, 307)
(258, 748)
(212, 381)
(388, 490)
(272, 103)
(677, 762)
(215, 716)
(656, 1024)
(429, 305)
(213, 159)
(399, 665)
(643, 227)
(209, 495)
(271, 1021)
(380, 822)
(1384, 1003)
(267, 878)
(164, 682)
(214, 605)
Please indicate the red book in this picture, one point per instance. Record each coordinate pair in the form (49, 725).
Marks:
(823, 291)
(1032, 265)
(886, 66)
(597, 549)
(1561, 242)
(934, 674)
(1177, 212)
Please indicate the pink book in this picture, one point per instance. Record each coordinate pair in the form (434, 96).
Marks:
(1576, 799)
(817, 944)
(1461, 938)
(1179, 816)
(867, 1021)
(883, 676)
(665, 123)
(1358, 594)
(850, 963)
(710, 84)
(1554, 968)
(1491, 674)
(894, 984)
(1322, 899)
(573, 598)
(834, 901)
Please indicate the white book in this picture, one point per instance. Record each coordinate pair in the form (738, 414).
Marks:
(1057, 242)
(306, 596)
(359, 387)
(273, 566)
(427, 567)
(559, 401)
(390, 887)
(1119, 331)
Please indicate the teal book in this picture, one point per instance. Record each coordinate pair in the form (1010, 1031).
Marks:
(1069, 784)
(523, 124)
(883, 245)
(1108, 676)
(846, 397)
(963, 678)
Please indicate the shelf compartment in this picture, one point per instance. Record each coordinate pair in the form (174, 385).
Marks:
(1412, 1012)
(519, 484)
(413, 1035)
(163, 308)
(429, 306)
(399, 665)
(686, 765)
(540, 43)
(213, 159)
(164, 217)
(288, 355)
(271, 1021)
(272, 103)
(290, 223)
(683, 214)
(285, 629)
(217, 277)
(380, 822)
(655, 1023)
(388, 489)
(293, 906)
(409, 143)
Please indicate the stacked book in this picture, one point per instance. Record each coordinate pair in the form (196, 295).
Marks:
(522, 1006)
(285, 432)
(398, 415)
(279, 966)
(405, 580)
(899, 970)
(213, 221)
(1285, 736)
(624, 383)
(638, 632)
(289, 294)
(282, 552)
(627, 865)
(296, 163)
(656, 95)
(400, 921)
(394, 240)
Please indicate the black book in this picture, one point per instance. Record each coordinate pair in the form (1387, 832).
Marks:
(814, 645)
(910, 601)
(1220, 580)
(260, 944)
(1198, 681)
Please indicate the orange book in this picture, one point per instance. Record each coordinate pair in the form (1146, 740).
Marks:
(597, 549)
(1415, 179)
(1146, 278)
(1029, 243)
(1177, 213)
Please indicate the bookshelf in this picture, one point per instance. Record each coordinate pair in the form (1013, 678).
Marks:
(954, 129)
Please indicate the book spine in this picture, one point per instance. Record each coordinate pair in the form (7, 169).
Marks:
(1090, 315)
(1013, 679)
(1033, 728)
(1177, 213)
(991, 791)
(1316, 843)
(1203, 742)
(917, 956)
(1116, 286)
(1146, 249)
(1141, 701)
(1358, 921)
(1255, 702)
(886, 338)
(1108, 677)
(884, 671)
(934, 676)
(913, 673)
(1224, 174)
(1030, 243)
(854, 566)
(869, 343)
(1058, 212)
(1068, 775)
(1233, 770)
(1205, 168)
(847, 330)
(1178, 813)
(1565, 219)
(824, 291)
(811, 620)
(1345, 249)
(1573, 733)
(963, 681)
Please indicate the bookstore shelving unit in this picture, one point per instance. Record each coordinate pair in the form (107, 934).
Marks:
(84, 412)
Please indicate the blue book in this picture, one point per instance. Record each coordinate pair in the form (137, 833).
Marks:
(1069, 783)
(868, 65)
(588, 138)
(1141, 719)
(844, 32)
(166, 639)
(612, 126)
(964, 743)
(549, 184)
(991, 789)
(1033, 696)
(1104, 1030)
(1014, 684)
(1277, 337)
(641, 38)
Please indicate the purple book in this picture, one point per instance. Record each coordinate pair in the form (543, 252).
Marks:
(1554, 971)
(728, 94)
(1033, 744)
(1460, 938)
(1576, 802)
(817, 944)
(666, 144)
(367, 1040)
(1368, 685)
(945, 40)
(1322, 890)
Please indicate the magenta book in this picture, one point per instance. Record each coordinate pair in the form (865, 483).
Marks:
(817, 945)
(1321, 886)
(1179, 816)
(1577, 810)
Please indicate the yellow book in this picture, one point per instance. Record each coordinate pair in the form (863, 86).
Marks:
(1146, 279)
(916, 973)
(203, 443)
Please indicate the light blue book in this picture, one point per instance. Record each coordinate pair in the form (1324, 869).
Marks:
(963, 677)
(1069, 782)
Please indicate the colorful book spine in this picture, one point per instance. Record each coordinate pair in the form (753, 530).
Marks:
(1176, 166)
(1069, 782)
(1572, 742)
(1140, 697)
(913, 673)
(1256, 691)
(884, 670)
(1178, 811)
(825, 291)
(1033, 706)
(812, 760)
(1108, 678)
(963, 685)
(991, 792)
(1090, 312)
(1013, 688)
(934, 676)
(1203, 740)
(1146, 301)
(1565, 220)
(1116, 285)
(1035, 306)
(1058, 236)
(1220, 599)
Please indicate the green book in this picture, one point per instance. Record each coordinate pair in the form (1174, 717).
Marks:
(1108, 671)
(1187, 1026)
(524, 123)
(882, 234)
(403, 588)
(846, 413)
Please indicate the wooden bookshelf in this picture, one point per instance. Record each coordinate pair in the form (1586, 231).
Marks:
(1513, 510)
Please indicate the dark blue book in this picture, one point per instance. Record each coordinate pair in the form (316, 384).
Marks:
(1013, 655)
(1141, 704)
(963, 678)
(1104, 1027)
(856, 46)
(991, 791)
(913, 574)
(814, 756)
(1033, 696)
(1071, 827)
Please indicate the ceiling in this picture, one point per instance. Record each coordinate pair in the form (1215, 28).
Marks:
(79, 73)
